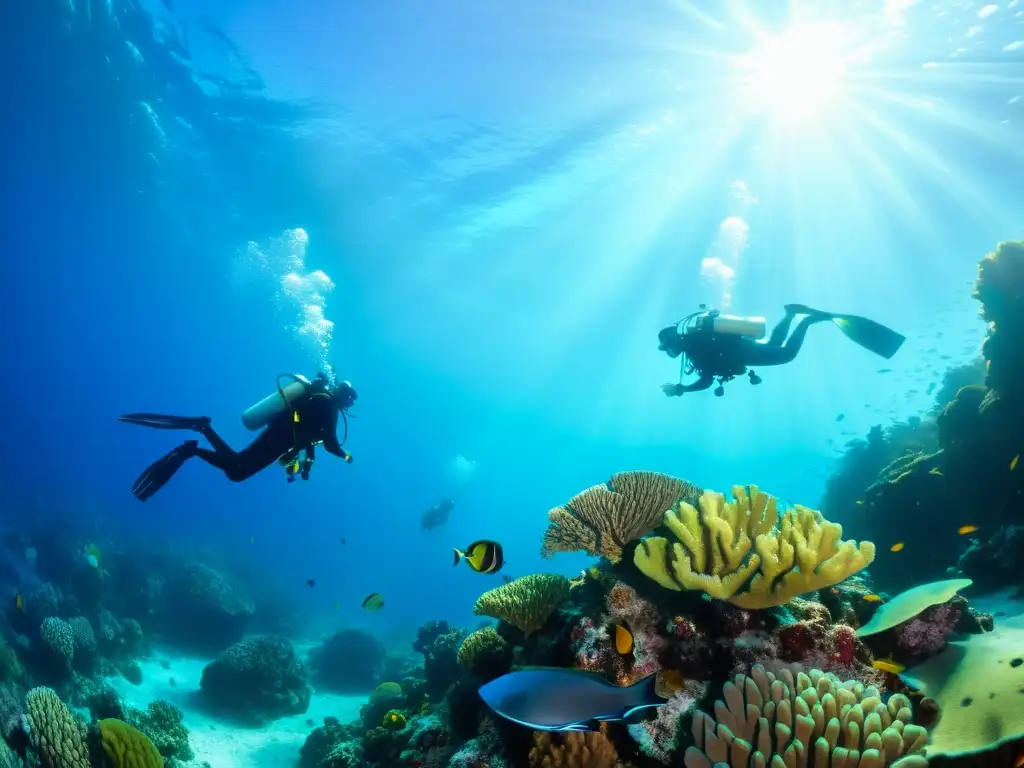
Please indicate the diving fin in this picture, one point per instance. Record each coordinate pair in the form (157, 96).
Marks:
(873, 336)
(160, 421)
(160, 471)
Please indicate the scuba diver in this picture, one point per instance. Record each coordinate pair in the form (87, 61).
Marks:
(296, 418)
(721, 347)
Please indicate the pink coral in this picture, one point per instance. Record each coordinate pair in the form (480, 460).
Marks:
(927, 633)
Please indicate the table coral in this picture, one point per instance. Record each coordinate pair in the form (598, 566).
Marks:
(526, 602)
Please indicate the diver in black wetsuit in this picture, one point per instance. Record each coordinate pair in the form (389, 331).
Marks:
(720, 348)
(305, 415)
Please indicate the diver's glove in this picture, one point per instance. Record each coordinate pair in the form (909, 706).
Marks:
(347, 457)
(673, 390)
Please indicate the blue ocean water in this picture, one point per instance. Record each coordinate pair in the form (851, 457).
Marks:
(480, 214)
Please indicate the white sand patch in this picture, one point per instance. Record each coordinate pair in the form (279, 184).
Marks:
(221, 744)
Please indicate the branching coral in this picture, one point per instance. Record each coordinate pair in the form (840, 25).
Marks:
(603, 519)
(807, 719)
(54, 734)
(526, 602)
(58, 636)
(573, 750)
(803, 553)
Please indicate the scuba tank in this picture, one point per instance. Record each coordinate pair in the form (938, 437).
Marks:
(273, 405)
(729, 325)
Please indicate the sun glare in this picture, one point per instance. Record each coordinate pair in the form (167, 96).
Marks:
(798, 75)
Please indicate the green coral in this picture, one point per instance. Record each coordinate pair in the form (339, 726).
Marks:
(526, 602)
(744, 553)
(604, 518)
(161, 723)
(809, 719)
(480, 647)
(54, 735)
(386, 692)
(127, 747)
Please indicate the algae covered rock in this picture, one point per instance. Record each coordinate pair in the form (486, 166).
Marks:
(348, 661)
(204, 610)
(256, 681)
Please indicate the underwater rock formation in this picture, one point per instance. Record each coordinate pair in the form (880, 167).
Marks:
(203, 611)
(350, 660)
(256, 681)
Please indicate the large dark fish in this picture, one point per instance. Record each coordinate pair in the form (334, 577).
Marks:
(552, 699)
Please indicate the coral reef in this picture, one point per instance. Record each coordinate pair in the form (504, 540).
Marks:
(526, 602)
(485, 654)
(713, 552)
(161, 723)
(203, 610)
(55, 736)
(126, 747)
(573, 750)
(256, 681)
(347, 661)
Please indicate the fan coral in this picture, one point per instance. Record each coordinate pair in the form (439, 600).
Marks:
(603, 519)
(55, 736)
(126, 747)
(785, 720)
(526, 602)
(713, 552)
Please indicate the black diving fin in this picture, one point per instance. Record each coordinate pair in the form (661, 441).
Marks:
(874, 337)
(160, 471)
(160, 421)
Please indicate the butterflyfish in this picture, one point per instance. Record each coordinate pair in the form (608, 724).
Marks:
(373, 602)
(482, 556)
(623, 639)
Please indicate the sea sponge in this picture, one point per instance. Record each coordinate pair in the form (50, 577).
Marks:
(803, 553)
(127, 747)
(603, 519)
(812, 718)
(978, 684)
(526, 602)
(910, 603)
(573, 750)
(59, 636)
(483, 643)
(54, 734)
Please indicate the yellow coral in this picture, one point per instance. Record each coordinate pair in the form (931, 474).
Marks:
(603, 519)
(810, 719)
(573, 750)
(526, 602)
(127, 747)
(54, 734)
(744, 553)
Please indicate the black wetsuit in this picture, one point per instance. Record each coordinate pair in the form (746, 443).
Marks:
(317, 422)
(722, 357)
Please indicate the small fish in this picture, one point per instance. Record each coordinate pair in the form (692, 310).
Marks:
(936, 471)
(859, 502)
(872, 599)
(553, 699)
(963, 530)
(897, 547)
(482, 556)
(840, 417)
(623, 639)
(252, 539)
(373, 602)
(310, 582)
(336, 606)
(93, 556)
(885, 370)
(1013, 462)
(394, 719)
(887, 665)
(19, 604)
(342, 540)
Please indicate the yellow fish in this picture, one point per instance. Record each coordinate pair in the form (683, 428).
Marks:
(872, 599)
(859, 502)
(897, 547)
(19, 605)
(482, 556)
(394, 719)
(1013, 462)
(963, 530)
(937, 472)
(623, 639)
(373, 602)
(883, 665)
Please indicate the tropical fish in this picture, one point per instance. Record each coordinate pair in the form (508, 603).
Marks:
(897, 547)
(555, 699)
(936, 471)
(93, 556)
(373, 602)
(311, 583)
(872, 599)
(252, 539)
(963, 530)
(859, 502)
(840, 417)
(336, 606)
(394, 719)
(886, 665)
(19, 604)
(1013, 462)
(342, 540)
(623, 639)
(483, 556)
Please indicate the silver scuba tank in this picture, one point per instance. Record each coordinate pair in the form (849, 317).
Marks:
(731, 325)
(260, 414)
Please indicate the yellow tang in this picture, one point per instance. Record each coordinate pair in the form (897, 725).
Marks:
(963, 530)
(484, 556)
(623, 640)
(883, 665)
(872, 599)
(373, 602)
(897, 546)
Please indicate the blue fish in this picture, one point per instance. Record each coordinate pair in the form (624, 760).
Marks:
(555, 699)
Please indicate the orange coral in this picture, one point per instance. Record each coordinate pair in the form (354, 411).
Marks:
(573, 750)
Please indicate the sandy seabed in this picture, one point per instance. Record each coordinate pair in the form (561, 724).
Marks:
(222, 744)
